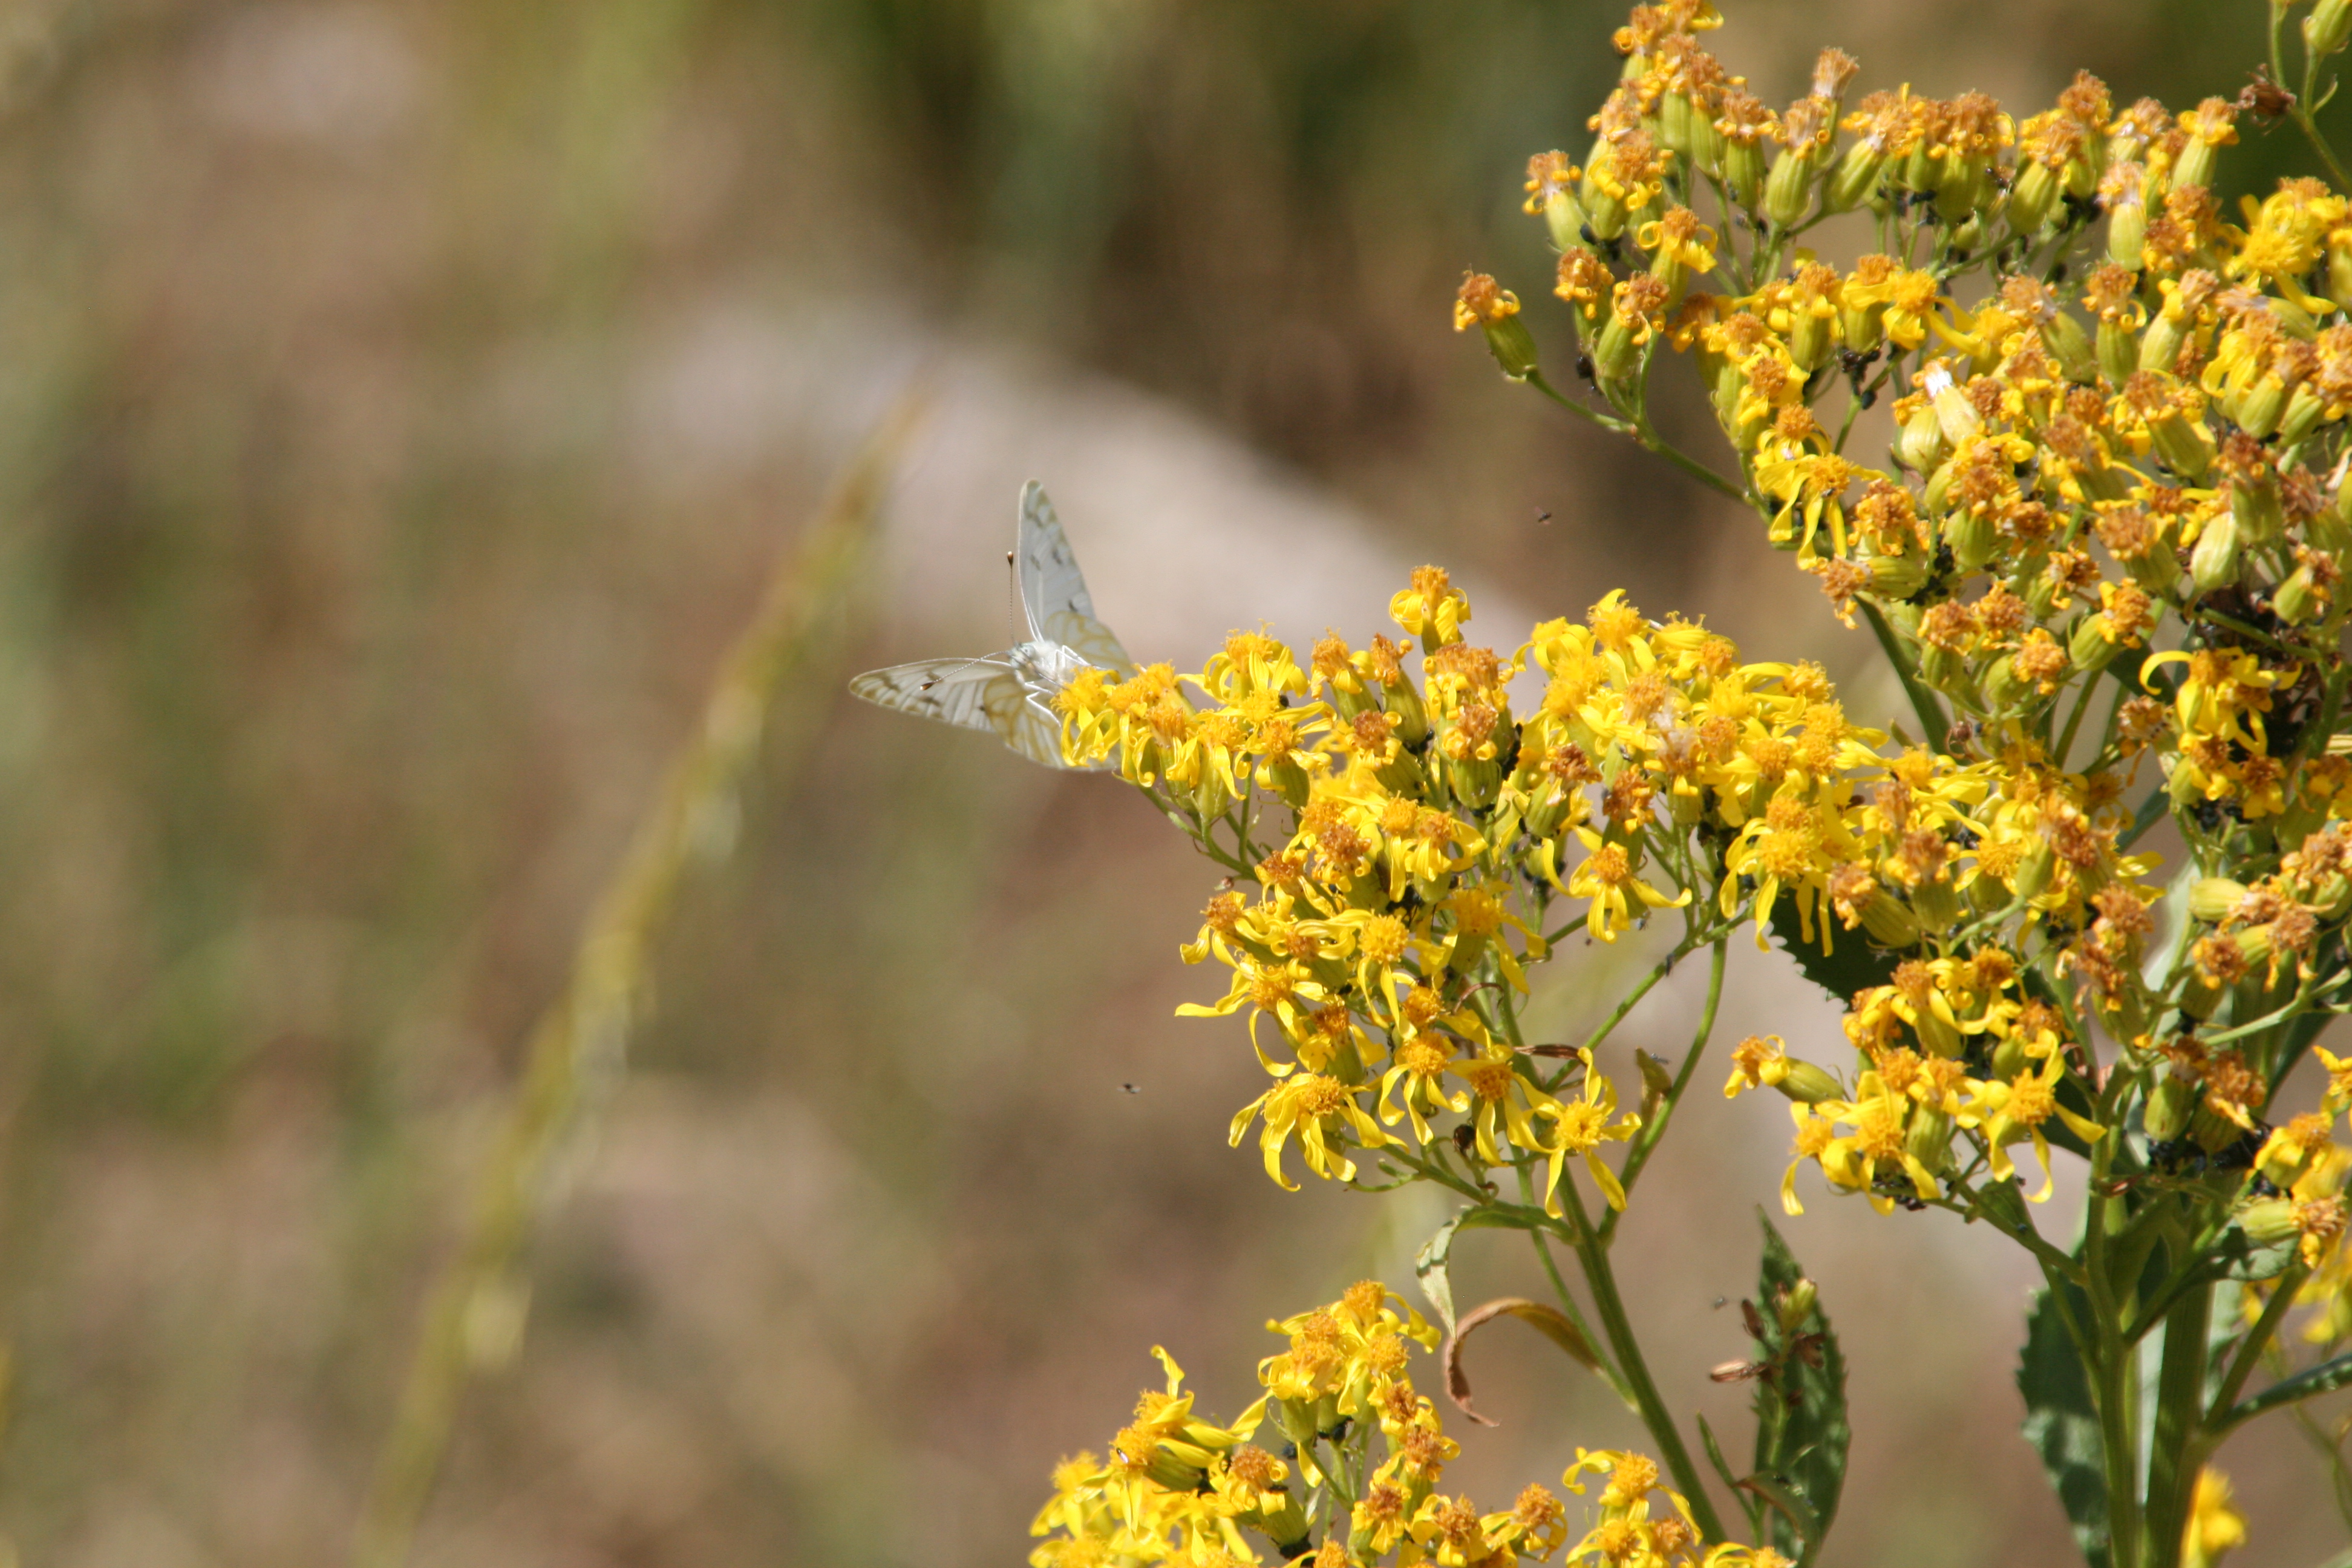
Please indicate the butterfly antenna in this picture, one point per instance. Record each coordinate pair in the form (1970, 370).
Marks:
(958, 669)
(1013, 588)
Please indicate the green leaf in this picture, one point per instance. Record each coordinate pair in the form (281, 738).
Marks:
(2061, 1423)
(1853, 965)
(1430, 1263)
(1802, 1432)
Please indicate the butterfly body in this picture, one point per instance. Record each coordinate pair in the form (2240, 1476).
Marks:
(1011, 693)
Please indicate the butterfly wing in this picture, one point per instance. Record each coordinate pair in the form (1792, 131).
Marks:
(970, 693)
(1054, 591)
(973, 694)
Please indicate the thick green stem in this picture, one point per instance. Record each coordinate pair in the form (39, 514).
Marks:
(2179, 1414)
(2111, 1369)
(1610, 1307)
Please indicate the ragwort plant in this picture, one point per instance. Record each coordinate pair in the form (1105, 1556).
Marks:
(2104, 554)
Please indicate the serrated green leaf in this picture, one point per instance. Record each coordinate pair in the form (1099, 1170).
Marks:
(1852, 965)
(2061, 1423)
(1802, 1430)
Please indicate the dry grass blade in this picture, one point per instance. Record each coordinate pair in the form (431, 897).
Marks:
(475, 1314)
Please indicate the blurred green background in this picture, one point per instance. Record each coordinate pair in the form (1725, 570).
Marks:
(403, 405)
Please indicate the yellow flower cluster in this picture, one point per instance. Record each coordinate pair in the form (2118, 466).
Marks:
(1181, 1490)
(1405, 839)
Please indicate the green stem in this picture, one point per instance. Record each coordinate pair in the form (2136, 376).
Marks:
(1601, 1280)
(1568, 1306)
(2111, 1368)
(2301, 112)
(1925, 704)
(1647, 439)
(2180, 1407)
(2250, 1351)
(1646, 1140)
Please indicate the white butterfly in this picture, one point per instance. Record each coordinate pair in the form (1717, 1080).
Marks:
(1012, 693)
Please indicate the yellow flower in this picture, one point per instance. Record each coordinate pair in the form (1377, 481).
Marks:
(1324, 1112)
(2215, 1526)
(1581, 1126)
(2008, 1113)
(1608, 878)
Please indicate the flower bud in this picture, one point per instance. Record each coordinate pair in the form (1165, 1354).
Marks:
(2268, 1221)
(2128, 231)
(2034, 871)
(2168, 1107)
(2211, 898)
(2255, 503)
(2296, 600)
(1897, 576)
(2032, 198)
(2118, 351)
(1743, 171)
(1796, 1304)
(2063, 336)
(2328, 27)
(2214, 563)
(1513, 346)
(1807, 1084)
(1789, 189)
(2087, 648)
(1855, 179)
(1564, 217)
(1890, 923)
(1929, 1138)
(1937, 905)
(1920, 445)
(1973, 539)
(2305, 408)
(2340, 265)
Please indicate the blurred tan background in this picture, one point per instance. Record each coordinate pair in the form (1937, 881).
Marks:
(401, 403)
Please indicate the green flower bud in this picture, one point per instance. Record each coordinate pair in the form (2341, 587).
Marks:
(1564, 216)
(2295, 601)
(2328, 27)
(1743, 171)
(1890, 923)
(2255, 504)
(1855, 179)
(2063, 336)
(2127, 234)
(1920, 445)
(2159, 344)
(1796, 1304)
(1930, 1138)
(2118, 352)
(1807, 1084)
(1789, 189)
(1973, 538)
(2032, 198)
(2087, 648)
(1513, 346)
(2211, 898)
(2303, 409)
(1938, 906)
(1898, 576)
(2214, 563)
(2169, 1108)
(2268, 1221)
